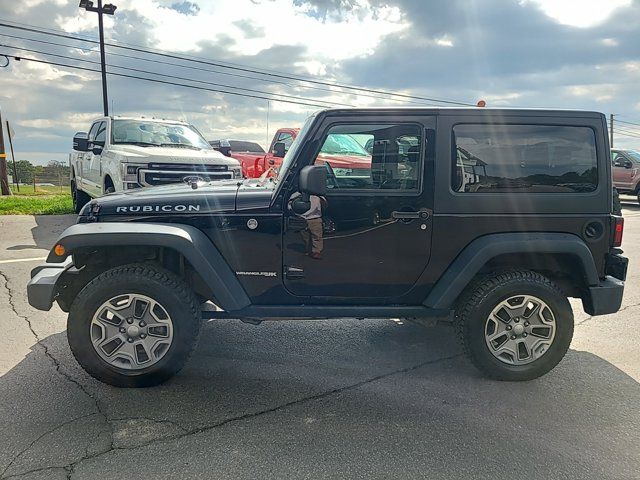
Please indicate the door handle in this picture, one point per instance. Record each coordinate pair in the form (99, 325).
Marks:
(423, 214)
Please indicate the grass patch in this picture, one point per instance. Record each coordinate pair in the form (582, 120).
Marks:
(42, 202)
(27, 190)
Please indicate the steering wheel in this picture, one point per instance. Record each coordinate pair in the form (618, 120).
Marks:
(331, 176)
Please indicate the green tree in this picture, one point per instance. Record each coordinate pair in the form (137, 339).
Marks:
(24, 171)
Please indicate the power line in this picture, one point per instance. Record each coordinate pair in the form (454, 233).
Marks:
(624, 133)
(208, 70)
(148, 72)
(628, 123)
(628, 130)
(297, 78)
(76, 67)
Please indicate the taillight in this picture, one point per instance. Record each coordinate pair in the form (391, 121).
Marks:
(618, 229)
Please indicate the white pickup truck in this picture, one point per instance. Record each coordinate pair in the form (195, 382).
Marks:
(121, 153)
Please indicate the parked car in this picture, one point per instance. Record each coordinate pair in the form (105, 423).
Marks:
(498, 253)
(626, 171)
(120, 154)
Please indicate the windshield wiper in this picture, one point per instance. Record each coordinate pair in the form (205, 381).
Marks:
(182, 145)
(140, 144)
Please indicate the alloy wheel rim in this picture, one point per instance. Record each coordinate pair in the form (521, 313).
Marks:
(520, 330)
(131, 331)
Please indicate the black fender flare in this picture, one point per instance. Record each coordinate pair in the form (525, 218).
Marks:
(475, 255)
(191, 242)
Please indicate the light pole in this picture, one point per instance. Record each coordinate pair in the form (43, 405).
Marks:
(107, 9)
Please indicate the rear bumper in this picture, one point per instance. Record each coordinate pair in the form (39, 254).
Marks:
(41, 289)
(605, 298)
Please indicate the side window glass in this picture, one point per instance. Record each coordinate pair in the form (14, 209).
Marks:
(101, 133)
(620, 161)
(93, 131)
(285, 138)
(372, 157)
(524, 158)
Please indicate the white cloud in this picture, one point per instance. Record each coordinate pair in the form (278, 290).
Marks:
(353, 34)
(579, 13)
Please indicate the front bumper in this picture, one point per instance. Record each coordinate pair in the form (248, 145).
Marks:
(41, 289)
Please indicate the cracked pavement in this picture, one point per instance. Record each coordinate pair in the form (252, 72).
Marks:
(314, 399)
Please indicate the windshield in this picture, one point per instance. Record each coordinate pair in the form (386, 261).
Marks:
(293, 149)
(156, 134)
(634, 154)
(342, 144)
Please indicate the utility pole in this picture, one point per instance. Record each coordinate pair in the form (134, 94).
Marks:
(107, 9)
(13, 157)
(4, 174)
(611, 130)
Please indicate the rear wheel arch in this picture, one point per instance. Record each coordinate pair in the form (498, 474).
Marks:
(545, 253)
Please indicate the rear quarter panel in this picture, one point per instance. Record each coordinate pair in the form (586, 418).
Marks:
(459, 218)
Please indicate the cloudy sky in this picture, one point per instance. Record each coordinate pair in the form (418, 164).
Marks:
(517, 53)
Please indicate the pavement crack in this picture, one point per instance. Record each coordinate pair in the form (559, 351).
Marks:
(37, 470)
(627, 307)
(57, 365)
(36, 440)
(71, 467)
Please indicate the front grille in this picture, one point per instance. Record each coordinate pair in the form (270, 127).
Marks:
(167, 173)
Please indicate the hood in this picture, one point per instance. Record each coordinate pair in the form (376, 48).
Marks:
(138, 153)
(346, 161)
(221, 196)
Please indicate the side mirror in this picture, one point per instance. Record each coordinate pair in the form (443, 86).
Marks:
(628, 164)
(81, 142)
(96, 149)
(279, 149)
(313, 180)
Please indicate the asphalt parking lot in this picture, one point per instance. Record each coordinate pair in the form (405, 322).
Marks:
(314, 399)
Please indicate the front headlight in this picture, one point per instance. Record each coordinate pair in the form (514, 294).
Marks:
(130, 171)
(237, 172)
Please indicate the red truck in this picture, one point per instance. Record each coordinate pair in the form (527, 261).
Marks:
(344, 155)
(253, 159)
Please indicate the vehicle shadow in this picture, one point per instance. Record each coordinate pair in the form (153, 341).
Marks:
(49, 227)
(322, 399)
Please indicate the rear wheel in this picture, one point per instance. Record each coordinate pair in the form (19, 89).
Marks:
(134, 326)
(514, 325)
(80, 198)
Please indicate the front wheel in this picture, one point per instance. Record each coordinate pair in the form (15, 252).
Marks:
(134, 326)
(514, 325)
(79, 198)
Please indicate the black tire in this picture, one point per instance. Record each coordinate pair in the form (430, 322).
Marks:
(80, 198)
(483, 296)
(157, 283)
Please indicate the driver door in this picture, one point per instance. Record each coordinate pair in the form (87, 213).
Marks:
(372, 238)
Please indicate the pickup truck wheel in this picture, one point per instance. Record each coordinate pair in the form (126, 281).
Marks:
(514, 325)
(134, 326)
(80, 199)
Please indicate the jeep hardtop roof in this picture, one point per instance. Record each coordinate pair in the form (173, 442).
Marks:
(467, 111)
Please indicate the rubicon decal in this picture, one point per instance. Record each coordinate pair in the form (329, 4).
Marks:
(158, 208)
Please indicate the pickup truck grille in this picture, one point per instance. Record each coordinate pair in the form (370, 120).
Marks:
(166, 173)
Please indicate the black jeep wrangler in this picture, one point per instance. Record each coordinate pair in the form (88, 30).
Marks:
(490, 218)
